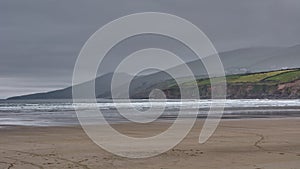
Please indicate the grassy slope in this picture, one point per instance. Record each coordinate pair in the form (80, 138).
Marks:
(253, 85)
(274, 77)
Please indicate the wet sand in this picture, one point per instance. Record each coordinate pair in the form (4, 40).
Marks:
(236, 144)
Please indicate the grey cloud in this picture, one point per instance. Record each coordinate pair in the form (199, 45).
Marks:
(43, 38)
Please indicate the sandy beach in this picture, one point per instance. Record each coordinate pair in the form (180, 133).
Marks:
(236, 144)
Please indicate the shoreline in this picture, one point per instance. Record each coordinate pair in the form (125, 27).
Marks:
(171, 120)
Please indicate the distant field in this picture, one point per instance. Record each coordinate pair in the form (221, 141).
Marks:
(285, 77)
(262, 85)
(274, 77)
(252, 78)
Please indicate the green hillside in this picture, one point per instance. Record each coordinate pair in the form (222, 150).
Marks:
(263, 85)
(271, 78)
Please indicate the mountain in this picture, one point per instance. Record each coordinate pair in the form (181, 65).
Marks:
(103, 84)
(234, 62)
(240, 61)
(282, 59)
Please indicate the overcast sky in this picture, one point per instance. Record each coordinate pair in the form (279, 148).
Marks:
(40, 39)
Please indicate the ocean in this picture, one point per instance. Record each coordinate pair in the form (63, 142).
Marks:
(62, 112)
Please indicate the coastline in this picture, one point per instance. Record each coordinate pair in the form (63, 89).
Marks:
(237, 144)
